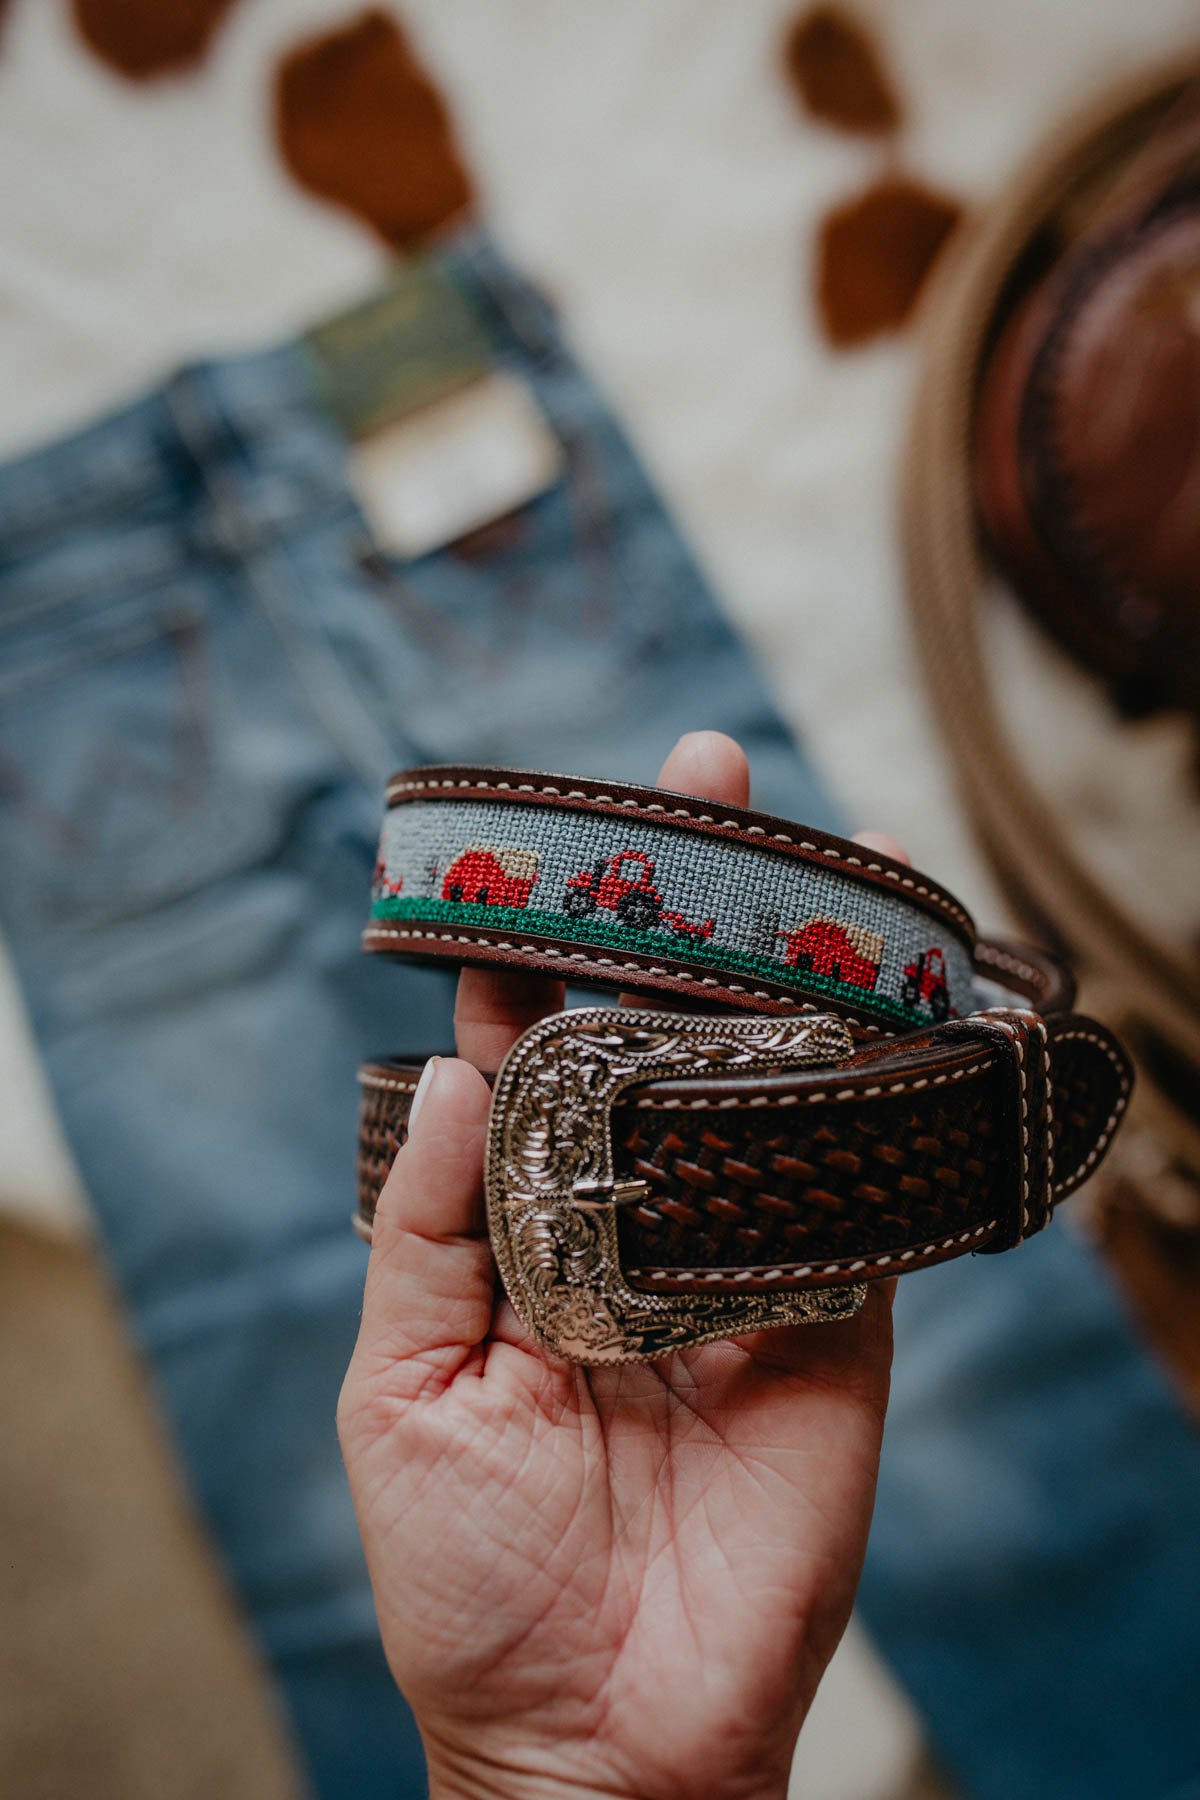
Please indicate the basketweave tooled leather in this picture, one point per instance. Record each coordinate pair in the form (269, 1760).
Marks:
(1087, 438)
(958, 1137)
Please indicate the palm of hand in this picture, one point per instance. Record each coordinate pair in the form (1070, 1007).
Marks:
(621, 1581)
(650, 1565)
(640, 1570)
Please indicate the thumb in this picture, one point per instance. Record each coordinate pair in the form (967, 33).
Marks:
(430, 1284)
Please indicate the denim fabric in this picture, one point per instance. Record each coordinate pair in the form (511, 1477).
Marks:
(1034, 1567)
(207, 672)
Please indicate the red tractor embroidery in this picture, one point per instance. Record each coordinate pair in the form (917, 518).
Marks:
(381, 887)
(842, 952)
(491, 875)
(624, 884)
(925, 984)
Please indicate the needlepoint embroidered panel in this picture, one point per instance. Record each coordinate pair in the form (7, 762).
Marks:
(717, 905)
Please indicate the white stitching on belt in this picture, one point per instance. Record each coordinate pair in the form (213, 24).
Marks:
(943, 901)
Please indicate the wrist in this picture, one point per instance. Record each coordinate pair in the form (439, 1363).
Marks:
(471, 1779)
(458, 1775)
(510, 1785)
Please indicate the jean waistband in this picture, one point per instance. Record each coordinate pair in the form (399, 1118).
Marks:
(247, 436)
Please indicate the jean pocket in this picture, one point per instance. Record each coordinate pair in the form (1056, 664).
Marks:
(549, 614)
(118, 792)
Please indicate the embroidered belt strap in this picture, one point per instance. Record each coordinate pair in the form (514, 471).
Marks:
(635, 888)
(875, 1090)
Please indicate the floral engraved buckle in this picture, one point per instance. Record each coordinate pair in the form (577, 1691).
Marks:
(552, 1195)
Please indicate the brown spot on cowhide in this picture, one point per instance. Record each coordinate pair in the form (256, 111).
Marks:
(361, 124)
(837, 72)
(873, 255)
(144, 38)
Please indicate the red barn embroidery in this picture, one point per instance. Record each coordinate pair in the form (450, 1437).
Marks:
(830, 947)
(491, 875)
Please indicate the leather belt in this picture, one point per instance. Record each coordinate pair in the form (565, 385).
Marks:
(869, 1089)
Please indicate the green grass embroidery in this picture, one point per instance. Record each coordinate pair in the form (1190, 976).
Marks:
(654, 943)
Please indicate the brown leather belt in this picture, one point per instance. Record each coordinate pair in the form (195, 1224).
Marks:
(868, 1090)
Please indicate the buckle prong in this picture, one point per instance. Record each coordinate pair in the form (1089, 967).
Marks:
(603, 1196)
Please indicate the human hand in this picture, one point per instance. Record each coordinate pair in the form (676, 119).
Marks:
(620, 1581)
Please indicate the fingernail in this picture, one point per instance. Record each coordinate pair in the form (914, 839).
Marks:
(422, 1089)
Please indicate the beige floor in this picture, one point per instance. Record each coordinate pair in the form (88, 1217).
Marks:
(125, 1671)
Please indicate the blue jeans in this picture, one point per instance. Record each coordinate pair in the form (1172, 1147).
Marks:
(1033, 1573)
(207, 670)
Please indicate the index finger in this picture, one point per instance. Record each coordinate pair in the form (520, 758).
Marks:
(494, 1008)
(709, 766)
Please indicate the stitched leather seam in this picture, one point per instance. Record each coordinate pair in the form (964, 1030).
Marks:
(387, 1083)
(1048, 1119)
(1016, 1038)
(1000, 959)
(402, 1085)
(845, 1266)
(676, 972)
(1098, 1148)
(775, 1100)
(730, 826)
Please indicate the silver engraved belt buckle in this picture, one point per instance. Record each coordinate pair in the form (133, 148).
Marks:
(552, 1197)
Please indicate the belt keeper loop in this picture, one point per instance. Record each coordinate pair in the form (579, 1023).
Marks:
(1022, 1037)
